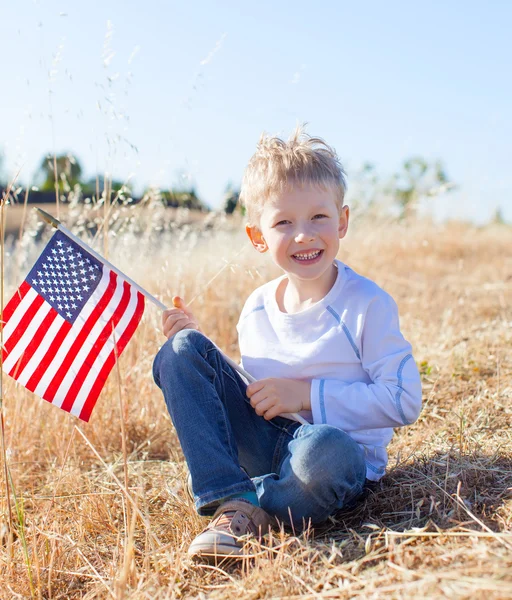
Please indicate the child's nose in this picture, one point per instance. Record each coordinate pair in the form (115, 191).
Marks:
(304, 234)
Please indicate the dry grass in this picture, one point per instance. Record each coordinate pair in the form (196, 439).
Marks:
(438, 525)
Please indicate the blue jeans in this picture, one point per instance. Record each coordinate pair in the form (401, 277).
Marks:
(299, 472)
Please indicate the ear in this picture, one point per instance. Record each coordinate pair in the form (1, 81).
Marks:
(343, 222)
(256, 238)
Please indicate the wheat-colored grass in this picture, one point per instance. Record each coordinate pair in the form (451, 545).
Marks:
(439, 525)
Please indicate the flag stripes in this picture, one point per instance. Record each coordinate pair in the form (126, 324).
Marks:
(84, 360)
(67, 363)
(42, 361)
(19, 352)
(122, 335)
(33, 345)
(15, 301)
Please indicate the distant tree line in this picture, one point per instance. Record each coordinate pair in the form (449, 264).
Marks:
(62, 174)
(417, 179)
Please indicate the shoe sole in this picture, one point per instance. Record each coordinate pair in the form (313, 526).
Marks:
(219, 553)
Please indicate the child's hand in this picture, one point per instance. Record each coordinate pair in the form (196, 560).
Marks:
(274, 396)
(178, 318)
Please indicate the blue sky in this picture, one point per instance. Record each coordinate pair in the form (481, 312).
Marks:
(164, 90)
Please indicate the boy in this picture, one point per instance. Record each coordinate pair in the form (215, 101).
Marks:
(321, 340)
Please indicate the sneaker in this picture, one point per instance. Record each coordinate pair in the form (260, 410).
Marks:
(233, 522)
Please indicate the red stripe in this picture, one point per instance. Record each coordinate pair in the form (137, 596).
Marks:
(25, 320)
(85, 414)
(45, 361)
(16, 371)
(88, 363)
(14, 302)
(51, 390)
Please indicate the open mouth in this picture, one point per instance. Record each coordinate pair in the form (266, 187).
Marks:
(308, 257)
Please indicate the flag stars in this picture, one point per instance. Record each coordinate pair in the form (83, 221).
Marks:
(66, 277)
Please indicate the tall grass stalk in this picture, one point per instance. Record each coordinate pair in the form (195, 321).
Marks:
(20, 513)
(3, 202)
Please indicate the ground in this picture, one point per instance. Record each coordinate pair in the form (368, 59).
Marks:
(90, 522)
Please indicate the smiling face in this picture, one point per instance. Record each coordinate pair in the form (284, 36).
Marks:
(301, 229)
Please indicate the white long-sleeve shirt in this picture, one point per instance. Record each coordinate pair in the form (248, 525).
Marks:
(363, 377)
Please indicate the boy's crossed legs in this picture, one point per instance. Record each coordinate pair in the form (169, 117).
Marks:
(299, 472)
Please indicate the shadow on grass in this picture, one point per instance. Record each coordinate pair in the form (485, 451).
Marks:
(445, 489)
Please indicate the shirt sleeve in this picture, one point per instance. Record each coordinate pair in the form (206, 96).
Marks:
(393, 397)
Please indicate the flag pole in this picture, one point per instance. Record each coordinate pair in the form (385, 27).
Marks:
(58, 225)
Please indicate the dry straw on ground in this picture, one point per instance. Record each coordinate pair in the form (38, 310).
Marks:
(438, 525)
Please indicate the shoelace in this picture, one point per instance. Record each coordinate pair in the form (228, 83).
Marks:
(226, 520)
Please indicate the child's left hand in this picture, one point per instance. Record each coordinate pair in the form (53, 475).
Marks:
(274, 396)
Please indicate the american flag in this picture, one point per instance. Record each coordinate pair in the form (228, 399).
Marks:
(65, 325)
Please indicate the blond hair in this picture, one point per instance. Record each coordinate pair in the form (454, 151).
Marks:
(277, 164)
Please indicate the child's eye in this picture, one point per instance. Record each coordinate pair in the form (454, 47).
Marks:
(320, 216)
(284, 222)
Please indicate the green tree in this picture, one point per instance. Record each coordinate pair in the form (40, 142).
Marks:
(69, 172)
(2, 175)
(183, 198)
(418, 179)
(231, 199)
(364, 186)
(97, 184)
(498, 218)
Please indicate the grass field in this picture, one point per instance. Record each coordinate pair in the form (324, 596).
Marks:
(439, 525)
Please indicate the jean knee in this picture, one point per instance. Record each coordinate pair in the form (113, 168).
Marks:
(330, 456)
(187, 340)
(179, 347)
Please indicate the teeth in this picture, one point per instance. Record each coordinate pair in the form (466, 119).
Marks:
(308, 256)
